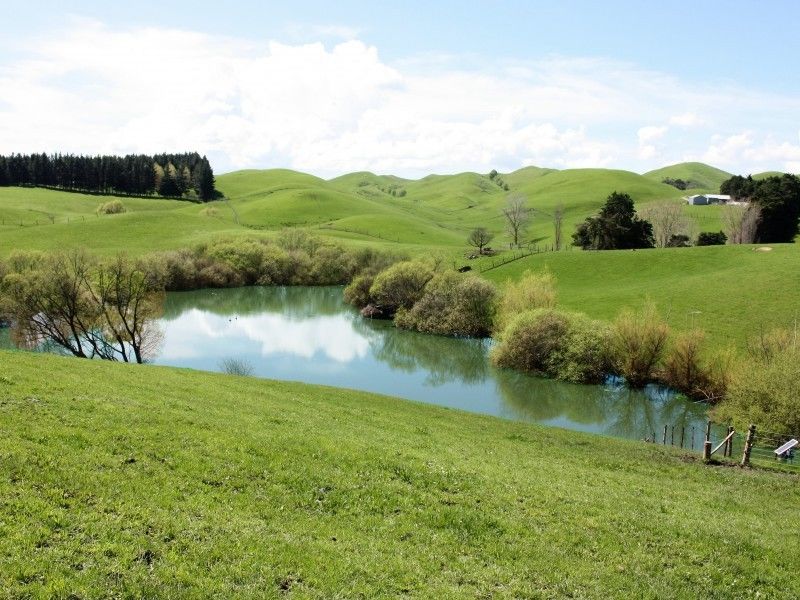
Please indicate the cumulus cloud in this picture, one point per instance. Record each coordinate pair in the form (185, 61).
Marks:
(337, 108)
(763, 154)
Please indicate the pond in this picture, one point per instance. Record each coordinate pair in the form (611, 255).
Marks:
(309, 334)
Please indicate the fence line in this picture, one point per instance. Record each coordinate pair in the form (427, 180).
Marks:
(721, 443)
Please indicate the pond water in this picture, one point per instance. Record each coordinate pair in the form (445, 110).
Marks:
(311, 335)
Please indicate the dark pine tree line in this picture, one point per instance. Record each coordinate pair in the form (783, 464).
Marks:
(187, 175)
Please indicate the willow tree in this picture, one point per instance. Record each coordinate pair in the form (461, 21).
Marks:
(89, 309)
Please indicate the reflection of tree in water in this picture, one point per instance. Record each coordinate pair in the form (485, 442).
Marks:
(445, 359)
(292, 302)
(542, 399)
(615, 409)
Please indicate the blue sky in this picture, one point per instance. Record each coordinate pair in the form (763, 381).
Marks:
(408, 88)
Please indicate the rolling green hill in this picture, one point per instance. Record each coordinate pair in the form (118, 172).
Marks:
(141, 481)
(704, 177)
(435, 211)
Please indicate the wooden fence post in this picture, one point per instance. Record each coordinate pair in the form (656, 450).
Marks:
(729, 445)
(683, 434)
(748, 444)
(665, 435)
(707, 443)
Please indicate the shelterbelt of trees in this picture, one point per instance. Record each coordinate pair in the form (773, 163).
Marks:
(186, 175)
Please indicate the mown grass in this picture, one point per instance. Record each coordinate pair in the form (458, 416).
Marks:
(120, 480)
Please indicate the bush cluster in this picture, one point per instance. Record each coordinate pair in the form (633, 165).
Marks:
(556, 343)
(294, 258)
(763, 388)
(114, 207)
(452, 304)
(421, 298)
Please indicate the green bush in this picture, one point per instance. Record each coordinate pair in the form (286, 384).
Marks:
(531, 340)
(529, 292)
(638, 342)
(401, 285)
(452, 304)
(357, 292)
(688, 368)
(114, 207)
(555, 343)
(584, 355)
(765, 392)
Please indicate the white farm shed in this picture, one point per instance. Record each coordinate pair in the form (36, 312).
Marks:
(704, 199)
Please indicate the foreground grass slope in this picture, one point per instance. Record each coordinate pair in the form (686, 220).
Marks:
(731, 292)
(132, 481)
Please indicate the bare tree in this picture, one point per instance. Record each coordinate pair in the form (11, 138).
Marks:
(480, 238)
(517, 216)
(129, 296)
(89, 309)
(741, 222)
(668, 220)
(558, 223)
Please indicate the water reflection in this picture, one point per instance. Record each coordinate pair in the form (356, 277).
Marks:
(309, 334)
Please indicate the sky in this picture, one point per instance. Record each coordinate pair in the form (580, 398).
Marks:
(407, 88)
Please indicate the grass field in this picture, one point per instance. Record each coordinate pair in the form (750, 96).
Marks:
(731, 292)
(436, 211)
(141, 481)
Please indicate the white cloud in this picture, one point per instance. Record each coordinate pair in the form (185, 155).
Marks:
(341, 108)
(651, 133)
(761, 154)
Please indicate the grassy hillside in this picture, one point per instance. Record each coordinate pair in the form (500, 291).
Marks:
(433, 213)
(704, 177)
(119, 480)
(40, 219)
(730, 291)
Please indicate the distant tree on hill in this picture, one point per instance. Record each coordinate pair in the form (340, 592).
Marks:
(517, 216)
(778, 199)
(617, 227)
(178, 175)
(558, 223)
(677, 183)
(479, 238)
(668, 220)
(741, 222)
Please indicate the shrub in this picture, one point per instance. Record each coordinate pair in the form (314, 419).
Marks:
(357, 292)
(568, 346)
(332, 266)
(401, 285)
(764, 392)
(237, 366)
(638, 342)
(712, 238)
(584, 355)
(293, 239)
(244, 257)
(531, 340)
(452, 305)
(688, 369)
(114, 207)
(531, 291)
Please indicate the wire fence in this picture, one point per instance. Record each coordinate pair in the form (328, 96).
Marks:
(730, 445)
